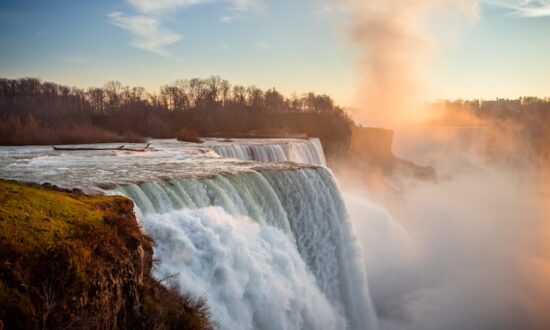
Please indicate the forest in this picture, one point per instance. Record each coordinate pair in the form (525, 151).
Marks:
(37, 112)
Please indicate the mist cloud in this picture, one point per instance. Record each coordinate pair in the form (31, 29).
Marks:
(468, 252)
(393, 46)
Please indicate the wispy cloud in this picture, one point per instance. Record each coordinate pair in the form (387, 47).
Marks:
(236, 8)
(152, 6)
(148, 28)
(524, 8)
(147, 31)
(241, 6)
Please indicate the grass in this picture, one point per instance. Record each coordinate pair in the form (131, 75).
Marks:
(73, 260)
(38, 217)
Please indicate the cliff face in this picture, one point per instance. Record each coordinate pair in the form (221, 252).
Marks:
(370, 143)
(370, 160)
(72, 260)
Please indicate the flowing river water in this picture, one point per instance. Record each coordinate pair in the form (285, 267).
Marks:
(257, 228)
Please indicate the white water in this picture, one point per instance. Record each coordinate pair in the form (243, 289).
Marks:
(268, 245)
(166, 159)
(299, 211)
(297, 151)
(251, 276)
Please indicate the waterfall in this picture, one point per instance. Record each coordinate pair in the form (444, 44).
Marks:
(265, 240)
(267, 249)
(298, 151)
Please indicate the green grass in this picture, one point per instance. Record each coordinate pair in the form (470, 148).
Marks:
(67, 258)
(35, 216)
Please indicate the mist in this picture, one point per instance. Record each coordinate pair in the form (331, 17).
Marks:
(469, 251)
(394, 47)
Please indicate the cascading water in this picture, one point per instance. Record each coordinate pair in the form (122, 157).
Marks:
(268, 245)
(298, 151)
(268, 249)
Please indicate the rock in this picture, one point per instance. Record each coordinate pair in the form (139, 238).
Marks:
(87, 266)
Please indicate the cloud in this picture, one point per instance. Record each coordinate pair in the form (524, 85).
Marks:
(155, 6)
(245, 5)
(147, 26)
(236, 8)
(148, 32)
(394, 49)
(151, 6)
(524, 8)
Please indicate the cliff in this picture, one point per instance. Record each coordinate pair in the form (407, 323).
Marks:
(369, 159)
(371, 143)
(70, 260)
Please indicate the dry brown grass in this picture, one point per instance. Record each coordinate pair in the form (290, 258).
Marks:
(14, 131)
(188, 135)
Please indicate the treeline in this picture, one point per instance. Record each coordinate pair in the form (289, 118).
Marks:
(526, 119)
(522, 109)
(37, 112)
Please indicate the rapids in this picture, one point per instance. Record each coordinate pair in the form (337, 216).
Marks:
(305, 152)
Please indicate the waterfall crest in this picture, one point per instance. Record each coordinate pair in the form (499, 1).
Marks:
(305, 152)
(268, 249)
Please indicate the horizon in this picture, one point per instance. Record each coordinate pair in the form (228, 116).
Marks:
(157, 91)
(150, 44)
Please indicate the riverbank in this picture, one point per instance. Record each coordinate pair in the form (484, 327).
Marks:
(75, 260)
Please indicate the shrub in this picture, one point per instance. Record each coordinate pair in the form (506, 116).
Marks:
(188, 135)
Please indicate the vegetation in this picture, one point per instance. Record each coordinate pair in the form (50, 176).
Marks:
(188, 135)
(36, 112)
(515, 125)
(73, 260)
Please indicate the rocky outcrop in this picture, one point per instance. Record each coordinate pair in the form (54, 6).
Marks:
(371, 143)
(370, 161)
(70, 260)
(371, 147)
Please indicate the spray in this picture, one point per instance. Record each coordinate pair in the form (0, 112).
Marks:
(393, 47)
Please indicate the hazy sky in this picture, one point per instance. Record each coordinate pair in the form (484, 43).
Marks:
(294, 45)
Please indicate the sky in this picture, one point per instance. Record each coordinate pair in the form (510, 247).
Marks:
(294, 45)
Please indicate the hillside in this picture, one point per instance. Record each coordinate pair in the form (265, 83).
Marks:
(73, 260)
